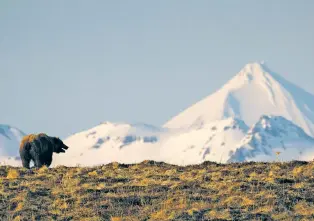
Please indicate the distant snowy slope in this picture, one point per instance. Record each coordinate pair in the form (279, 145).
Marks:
(273, 138)
(215, 141)
(127, 143)
(253, 92)
(109, 142)
(10, 138)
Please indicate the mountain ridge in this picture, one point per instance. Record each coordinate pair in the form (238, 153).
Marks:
(272, 136)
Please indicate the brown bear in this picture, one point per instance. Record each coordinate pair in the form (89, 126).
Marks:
(39, 148)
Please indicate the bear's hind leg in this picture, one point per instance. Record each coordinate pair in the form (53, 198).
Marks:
(37, 162)
(25, 156)
(26, 163)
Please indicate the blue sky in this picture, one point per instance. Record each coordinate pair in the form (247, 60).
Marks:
(66, 66)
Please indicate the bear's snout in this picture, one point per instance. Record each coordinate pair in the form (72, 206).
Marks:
(63, 148)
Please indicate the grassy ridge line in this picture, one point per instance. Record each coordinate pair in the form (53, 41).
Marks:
(159, 191)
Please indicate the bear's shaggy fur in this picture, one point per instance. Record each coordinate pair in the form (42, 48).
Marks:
(39, 148)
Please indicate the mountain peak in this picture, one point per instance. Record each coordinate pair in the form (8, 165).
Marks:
(254, 70)
(253, 92)
(256, 64)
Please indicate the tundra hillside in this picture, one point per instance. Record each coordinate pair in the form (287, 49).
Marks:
(157, 191)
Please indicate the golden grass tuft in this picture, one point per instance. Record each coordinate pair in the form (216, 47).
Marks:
(303, 208)
(43, 170)
(13, 174)
(93, 173)
(219, 214)
(20, 206)
(116, 218)
(297, 171)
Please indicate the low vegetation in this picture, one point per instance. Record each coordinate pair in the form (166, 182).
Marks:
(159, 191)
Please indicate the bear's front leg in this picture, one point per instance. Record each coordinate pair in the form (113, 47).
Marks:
(48, 161)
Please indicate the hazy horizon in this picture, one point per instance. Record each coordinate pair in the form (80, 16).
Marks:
(66, 66)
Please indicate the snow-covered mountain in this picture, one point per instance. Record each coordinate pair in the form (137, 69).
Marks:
(109, 142)
(10, 138)
(253, 92)
(215, 129)
(274, 138)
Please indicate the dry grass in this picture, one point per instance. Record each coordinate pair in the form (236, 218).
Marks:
(158, 191)
(13, 174)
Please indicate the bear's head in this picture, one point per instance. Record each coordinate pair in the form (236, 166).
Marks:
(59, 146)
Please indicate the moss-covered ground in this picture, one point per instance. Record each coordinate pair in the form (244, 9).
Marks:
(159, 191)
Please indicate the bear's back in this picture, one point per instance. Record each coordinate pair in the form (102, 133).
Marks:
(30, 138)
